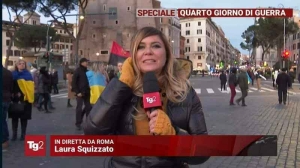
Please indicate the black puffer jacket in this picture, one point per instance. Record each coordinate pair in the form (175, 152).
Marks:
(112, 115)
(80, 83)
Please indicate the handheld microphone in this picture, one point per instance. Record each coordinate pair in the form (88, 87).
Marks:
(151, 97)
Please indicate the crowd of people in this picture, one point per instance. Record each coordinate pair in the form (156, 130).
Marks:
(281, 81)
(25, 88)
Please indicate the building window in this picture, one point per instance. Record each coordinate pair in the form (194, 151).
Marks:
(33, 22)
(94, 22)
(81, 52)
(187, 40)
(104, 7)
(8, 41)
(187, 32)
(161, 29)
(298, 45)
(9, 53)
(199, 48)
(94, 35)
(199, 23)
(187, 49)
(17, 53)
(117, 22)
(187, 24)
(104, 52)
(199, 40)
(199, 31)
(199, 64)
(128, 8)
(187, 57)
(199, 57)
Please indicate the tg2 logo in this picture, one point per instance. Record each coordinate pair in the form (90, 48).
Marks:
(35, 145)
(150, 99)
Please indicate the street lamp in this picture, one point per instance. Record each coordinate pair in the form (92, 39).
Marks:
(48, 41)
(283, 62)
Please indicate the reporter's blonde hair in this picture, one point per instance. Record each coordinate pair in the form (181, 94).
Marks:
(171, 79)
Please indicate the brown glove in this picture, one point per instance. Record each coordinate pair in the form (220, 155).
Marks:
(127, 74)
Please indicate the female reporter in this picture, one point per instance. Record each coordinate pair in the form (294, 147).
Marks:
(119, 110)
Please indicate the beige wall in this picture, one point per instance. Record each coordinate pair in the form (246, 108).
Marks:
(182, 41)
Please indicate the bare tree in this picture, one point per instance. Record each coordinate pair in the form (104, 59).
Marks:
(64, 7)
(15, 10)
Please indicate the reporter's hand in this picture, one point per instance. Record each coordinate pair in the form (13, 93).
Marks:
(127, 74)
(160, 123)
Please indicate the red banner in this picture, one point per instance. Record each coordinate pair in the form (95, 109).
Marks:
(66, 145)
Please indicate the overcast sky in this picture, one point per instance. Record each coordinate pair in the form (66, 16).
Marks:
(232, 27)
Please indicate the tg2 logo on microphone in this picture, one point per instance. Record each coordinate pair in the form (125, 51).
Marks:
(35, 145)
(151, 99)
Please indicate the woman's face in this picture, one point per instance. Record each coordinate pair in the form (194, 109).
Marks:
(101, 68)
(21, 65)
(151, 54)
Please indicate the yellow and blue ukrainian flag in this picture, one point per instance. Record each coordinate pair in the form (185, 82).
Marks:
(97, 84)
(26, 84)
(249, 79)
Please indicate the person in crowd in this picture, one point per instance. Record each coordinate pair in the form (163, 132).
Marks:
(23, 92)
(80, 86)
(111, 72)
(55, 81)
(223, 79)
(71, 95)
(97, 81)
(35, 76)
(103, 71)
(44, 89)
(120, 111)
(66, 69)
(8, 83)
(258, 77)
(244, 86)
(252, 76)
(232, 82)
(50, 86)
(283, 82)
(120, 64)
(273, 79)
